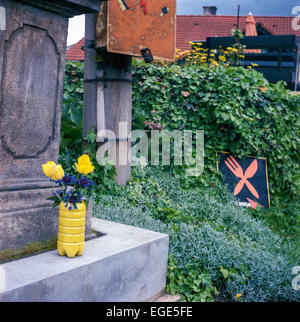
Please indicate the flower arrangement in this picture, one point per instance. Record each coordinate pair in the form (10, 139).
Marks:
(68, 188)
(198, 55)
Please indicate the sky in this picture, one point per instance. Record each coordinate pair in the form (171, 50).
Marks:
(194, 7)
(229, 7)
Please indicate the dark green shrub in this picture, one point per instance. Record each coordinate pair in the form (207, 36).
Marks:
(71, 124)
(230, 105)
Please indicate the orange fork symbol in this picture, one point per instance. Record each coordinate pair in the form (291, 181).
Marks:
(237, 170)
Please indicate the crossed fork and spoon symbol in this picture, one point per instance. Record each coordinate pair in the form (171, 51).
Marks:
(237, 170)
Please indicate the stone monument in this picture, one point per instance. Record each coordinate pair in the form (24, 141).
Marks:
(32, 61)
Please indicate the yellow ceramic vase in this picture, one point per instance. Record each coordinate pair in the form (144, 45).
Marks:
(71, 227)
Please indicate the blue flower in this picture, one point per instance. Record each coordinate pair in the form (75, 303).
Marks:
(67, 179)
(85, 182)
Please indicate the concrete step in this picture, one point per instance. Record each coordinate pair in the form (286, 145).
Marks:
(127, 264)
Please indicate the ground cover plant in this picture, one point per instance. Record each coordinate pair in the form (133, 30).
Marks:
(218, 250)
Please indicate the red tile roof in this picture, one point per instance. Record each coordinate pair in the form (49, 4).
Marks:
(75, 52)
(193, 28)
(198, 28)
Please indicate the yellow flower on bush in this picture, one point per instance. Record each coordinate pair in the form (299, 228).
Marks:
(262, 89)
(84, 165)
(238, 295)
(53, 171)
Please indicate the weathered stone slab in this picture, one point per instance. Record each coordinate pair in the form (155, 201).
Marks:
(32, 62)
(128, 264)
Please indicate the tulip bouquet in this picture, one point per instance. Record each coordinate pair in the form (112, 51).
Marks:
(68, 188)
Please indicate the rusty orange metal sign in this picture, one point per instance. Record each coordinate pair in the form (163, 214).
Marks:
(133, 25)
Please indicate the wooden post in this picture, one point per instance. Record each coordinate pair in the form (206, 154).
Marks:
(114, 104)
(108, 92)
(90, 69)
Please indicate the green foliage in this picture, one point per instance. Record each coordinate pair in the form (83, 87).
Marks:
(71, 126)
(190, 283)
(229, 105)
(238, 116)
(238, 36)
(284, 218)
(219, 252)
(148, 195)
(103, 176)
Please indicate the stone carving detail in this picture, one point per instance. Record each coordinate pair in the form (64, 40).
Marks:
(29, 92)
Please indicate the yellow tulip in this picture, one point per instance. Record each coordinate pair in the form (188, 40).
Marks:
(59, 174)
(53, 171)
(84, 165)
(49, 169)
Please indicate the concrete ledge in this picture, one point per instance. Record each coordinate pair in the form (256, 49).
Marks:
(128, 264)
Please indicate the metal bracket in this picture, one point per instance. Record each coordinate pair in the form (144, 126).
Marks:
(91, 44)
